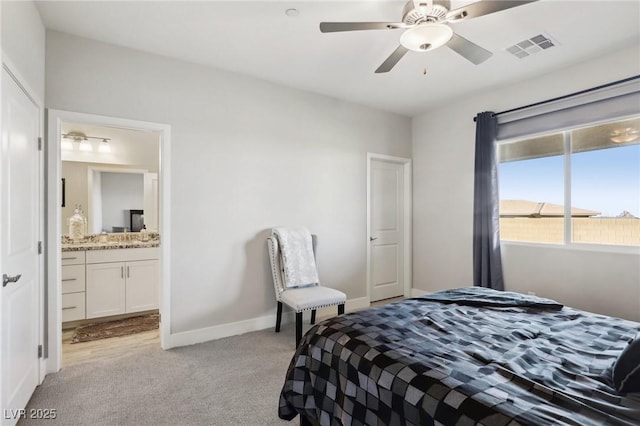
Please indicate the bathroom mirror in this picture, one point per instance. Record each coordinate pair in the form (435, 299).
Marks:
(121, 200)
(108, 194)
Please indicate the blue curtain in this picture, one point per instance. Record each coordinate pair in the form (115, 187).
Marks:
(487, 261)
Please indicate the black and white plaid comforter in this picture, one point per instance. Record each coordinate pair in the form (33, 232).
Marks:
(420, 362)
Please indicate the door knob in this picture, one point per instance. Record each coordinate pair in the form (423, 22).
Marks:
(7, 279)
(373, 239)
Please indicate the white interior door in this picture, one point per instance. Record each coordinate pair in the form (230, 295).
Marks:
(20, 217)
(387, 229)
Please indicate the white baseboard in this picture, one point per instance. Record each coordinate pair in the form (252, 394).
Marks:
(192, 337)
(357, 304)
(201, 335)
(416, 292)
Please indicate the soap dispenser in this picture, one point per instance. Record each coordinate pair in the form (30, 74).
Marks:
(84, 220)
(76, 225)
(144, 234)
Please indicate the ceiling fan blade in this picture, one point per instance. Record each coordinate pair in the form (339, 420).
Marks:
(484, 7)
(468, 50)
(332, 27)
(392, 60)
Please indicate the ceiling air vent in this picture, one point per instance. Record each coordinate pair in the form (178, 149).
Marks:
(530, 46)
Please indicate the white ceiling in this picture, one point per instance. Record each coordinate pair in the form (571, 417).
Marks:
(257, 39)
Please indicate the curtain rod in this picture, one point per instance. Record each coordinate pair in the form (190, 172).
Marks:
(581, 92)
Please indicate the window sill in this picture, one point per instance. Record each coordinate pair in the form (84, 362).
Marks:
(601, 248)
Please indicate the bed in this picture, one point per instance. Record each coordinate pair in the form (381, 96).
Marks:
(462, 357)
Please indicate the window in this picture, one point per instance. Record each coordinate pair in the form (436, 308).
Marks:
(576, 186)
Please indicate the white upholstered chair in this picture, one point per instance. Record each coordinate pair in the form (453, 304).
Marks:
(300, 299)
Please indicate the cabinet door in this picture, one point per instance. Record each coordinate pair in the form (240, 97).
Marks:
(105, 289)
(142, 285)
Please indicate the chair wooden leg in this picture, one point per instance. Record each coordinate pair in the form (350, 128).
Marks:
(313, 316)
(341, 309)
(279, 317)
(298, 328)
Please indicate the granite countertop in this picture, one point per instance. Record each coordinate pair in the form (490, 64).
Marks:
(114, 241)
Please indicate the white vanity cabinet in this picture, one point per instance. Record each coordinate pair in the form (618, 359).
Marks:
(73, 286)
(121, 281)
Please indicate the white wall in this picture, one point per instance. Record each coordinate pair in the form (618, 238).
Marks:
(246, 155)
(23, 43)
(603, 282)
(443, 154)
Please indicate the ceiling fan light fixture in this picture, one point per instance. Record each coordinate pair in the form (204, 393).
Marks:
(426, 36)
(624, 136)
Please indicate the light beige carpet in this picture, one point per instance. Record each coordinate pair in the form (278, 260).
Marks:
(231, 381)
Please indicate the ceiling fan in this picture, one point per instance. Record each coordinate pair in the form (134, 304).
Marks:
(426, 25)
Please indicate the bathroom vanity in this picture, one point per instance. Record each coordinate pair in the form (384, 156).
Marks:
(113, 277)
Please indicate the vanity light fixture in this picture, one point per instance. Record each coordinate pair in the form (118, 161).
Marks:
(104, 146)
(85, 146)
(83, 140)
(66, 145)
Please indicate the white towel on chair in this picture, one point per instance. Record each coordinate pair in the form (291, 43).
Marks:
(298, 262)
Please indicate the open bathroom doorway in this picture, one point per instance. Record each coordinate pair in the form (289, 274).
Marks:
(108, 235)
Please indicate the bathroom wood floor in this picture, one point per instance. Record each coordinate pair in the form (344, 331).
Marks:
(114, 347)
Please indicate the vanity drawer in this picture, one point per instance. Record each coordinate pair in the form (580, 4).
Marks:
(73, 278)
(73, 257)
(73, 306)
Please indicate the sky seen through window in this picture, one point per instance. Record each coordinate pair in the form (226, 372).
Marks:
(604, 180)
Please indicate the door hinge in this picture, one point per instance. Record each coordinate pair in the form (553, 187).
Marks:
(39, 351)
(39, 143)
(39, 247)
